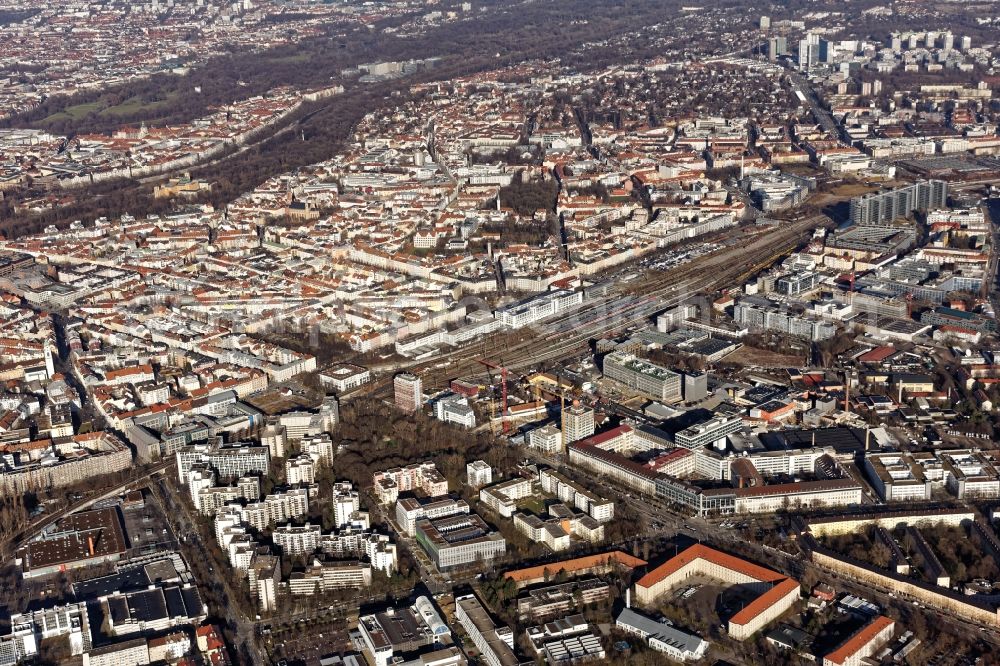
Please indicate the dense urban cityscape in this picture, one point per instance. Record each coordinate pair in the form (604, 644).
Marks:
(442, 332)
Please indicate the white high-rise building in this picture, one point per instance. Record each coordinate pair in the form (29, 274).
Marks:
(455, 409)
(296, 539)
(546, 438)
(274, 437)
(578, 423)
(319, 448)
(381, 553)
(198, 478)
(808, 52)
(346, 502)
(478, 474)
(300, 469)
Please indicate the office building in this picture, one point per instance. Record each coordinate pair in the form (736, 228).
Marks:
(328, 575)
(970, 474)
(711, 432)
(898, 477)
(345, 377)
(695, 386)
(28, 630)
(133, 652)
(410, 509)
(537, 307)
(776, 593)
(396, 631)
(809, 52)
(569, 640)
(455, 408)
(643, 376)
(459, 540)
(559, 598)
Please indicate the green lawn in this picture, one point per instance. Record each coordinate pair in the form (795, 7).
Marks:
(129, 107)
(535, 505)
(75, 112)
(132, 106)
(294, 59)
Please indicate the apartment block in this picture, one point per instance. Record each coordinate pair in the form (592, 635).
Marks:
(408, 391)
(418, 476)
(578, 423)
(478, 474)
(503, 496)
(885, 207)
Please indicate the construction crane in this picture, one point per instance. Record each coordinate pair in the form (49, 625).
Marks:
(503, 390)
(558, 393)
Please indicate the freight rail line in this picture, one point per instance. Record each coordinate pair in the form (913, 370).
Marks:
(655, 292)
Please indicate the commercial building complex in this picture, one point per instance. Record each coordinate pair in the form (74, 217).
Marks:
(459, 540)
(643, 376)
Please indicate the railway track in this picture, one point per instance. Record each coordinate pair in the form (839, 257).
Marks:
(657, 291)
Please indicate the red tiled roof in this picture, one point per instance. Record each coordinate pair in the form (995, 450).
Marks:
(577, 564)
(877, 355)
(703, 552)
(858, 640)
(607, 436)
(764, 601)
(672, 455)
